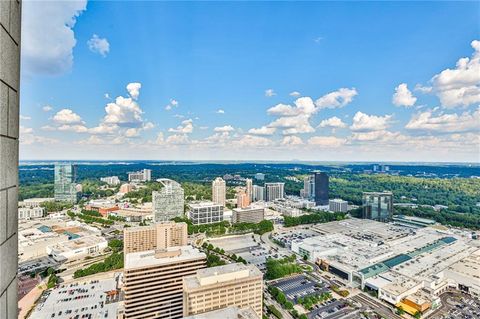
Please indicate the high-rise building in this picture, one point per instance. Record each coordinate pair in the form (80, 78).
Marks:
(242, 199)
(258, 193)
(378, 206)
(223, 286)
(321, 188)
(231, 312)
(144, 175)
(205, 213)
(153, 281)
(249, 214)
(111, 180)
(168, 202)
(65, 186)
(126, 188)
(219, 190)
(156, 236)
(10, 16)
(338, 205)
(249, 188)
(308, 190)
(274, 191)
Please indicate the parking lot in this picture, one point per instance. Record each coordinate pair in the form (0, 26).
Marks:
(299, 286)
(332, 308)
(457, 305)
(287, 236)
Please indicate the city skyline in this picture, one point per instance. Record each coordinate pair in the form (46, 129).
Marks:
(235, 81)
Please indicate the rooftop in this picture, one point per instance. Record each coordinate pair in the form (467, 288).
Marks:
(225, 273)
(161, 257)
(231, 312)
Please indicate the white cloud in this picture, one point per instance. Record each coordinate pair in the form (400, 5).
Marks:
(295, 94)
(92, 140)
(226, 128)
(25, 130)
(77, 128)
(264, 130)
(423, 89)
(336, 99)
(270, 93)
(132, 132)
(67, 116)
(443, 123)
(123, 112)
(382, 135)
(254, 141)
(220, 111)
(25, 118)
(291, 140)
(333, 122)
(47, 108)
(31, 139)
(148, 126)
(99, 45)
(363, 122)
(403, 96)
(460, 86)
(293, 124)
(107, 96)
(173, 103)
(47, 35)
(103, 128)
(185, 128)
(303, 105)
(177, 139)
(134, 89)
(326, 141)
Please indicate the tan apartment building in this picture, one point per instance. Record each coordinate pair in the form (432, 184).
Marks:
(223, 286)
(153, 281)
(251, 214)
(157, 236)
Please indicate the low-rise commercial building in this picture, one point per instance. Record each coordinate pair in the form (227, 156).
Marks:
(111, 180)
(153, 281)
(219, 287)
(34, 202)
(30, 213)
(251, 214)
(153, 237)
(201, 213)
(338, 205)
(144, 175)
(77, 248)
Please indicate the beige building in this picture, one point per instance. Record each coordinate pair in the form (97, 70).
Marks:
(243, 200)
(249, 214)
(157, 236)
(223, 286)
(219, 191)
(231, 312)
(249, 188)
(153, 281)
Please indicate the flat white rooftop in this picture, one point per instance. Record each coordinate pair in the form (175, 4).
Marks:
(225, 273)
(161, 257)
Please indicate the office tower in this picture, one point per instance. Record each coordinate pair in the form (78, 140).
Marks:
(378, 206)
(308, 191)
(242, 199)
(219, 191)
(249, 188)
(152, 237)
(126, 188)
(9, 128)
(65, 186)
(168, 202)
(260, 176)
(144, 175)
(258, 193)
(153, 281)
(321, 189)
(248, 215)
(223, 286)
(205, 213)
(274, 191)
(111, 180)
(338, 205)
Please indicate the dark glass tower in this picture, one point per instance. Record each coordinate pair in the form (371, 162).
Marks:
(321, 189)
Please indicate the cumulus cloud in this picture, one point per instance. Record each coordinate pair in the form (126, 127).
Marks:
(363, 122)
(327, 141)
(382, 135)
(293, 124)
(178, 139)
(403, 96)
(460, 86)
(47, 35)
(25, 130)
(220, 111)
(270, 93)
(295, 94)
(443, 123)
(291, 140)
(336, 99)
(134, 89)
(186, 127)
(264, 130)
(47, 108)
(67, 116)
(99, 45)
(173, 103)
(226, 128)
(333, 122)
(77, 128)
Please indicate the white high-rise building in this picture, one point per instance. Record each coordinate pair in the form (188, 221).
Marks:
(219, 191)
(258, 193)
(274, 191)
(338, 205)
(111, 180)
(205, 213)
(144, 175)
(308, 190)
(249, 188)
(169, 201)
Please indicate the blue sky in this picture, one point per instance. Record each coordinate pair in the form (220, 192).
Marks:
(251, 80)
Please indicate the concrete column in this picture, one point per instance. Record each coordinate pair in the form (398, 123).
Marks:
(9, 128)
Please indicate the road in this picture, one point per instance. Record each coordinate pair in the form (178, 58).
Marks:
(376, 306)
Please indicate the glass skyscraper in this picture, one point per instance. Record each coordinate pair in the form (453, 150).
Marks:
(321, 189)
(65, 178)
(169, 201)
(378, 206)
